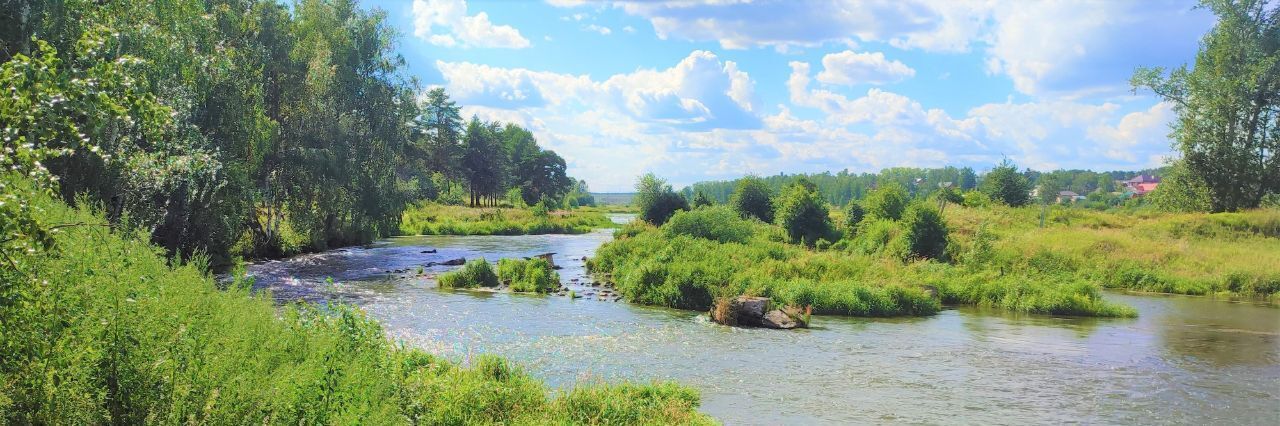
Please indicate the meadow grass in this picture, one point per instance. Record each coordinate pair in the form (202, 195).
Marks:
(438, 219)
(1235, 255)
(102, 329)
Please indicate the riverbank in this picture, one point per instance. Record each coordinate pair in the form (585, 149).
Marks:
(438, 219)
(101, 329)
(1183, 359)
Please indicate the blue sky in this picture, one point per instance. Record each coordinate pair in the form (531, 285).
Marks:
(717, 89)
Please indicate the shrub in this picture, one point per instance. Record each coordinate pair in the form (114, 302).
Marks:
(803, 214)
(925, 232)
(717, 223)
(752, 198)
(656, 200)
(976, 199)
(476, 273)
(528, 275)
(1006, 185)
(887, 202)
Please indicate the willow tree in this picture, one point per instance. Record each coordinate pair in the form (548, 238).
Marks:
(1228, 105)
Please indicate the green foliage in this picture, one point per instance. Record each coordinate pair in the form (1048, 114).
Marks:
(949, 195)
(803, 214)
(976, 199)
(103, 329)
(1181, 191)
(924, 231)
(701, 200)
(656, 201)
(528, 275)
(654, 267)
(435, 219)
(1227, 128)
(716, 223)
(887, 202)
(476, 273)
(752, 198)
(853, 215)
(1006, 185)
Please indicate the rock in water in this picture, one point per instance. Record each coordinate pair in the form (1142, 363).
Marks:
(777, 319)
(741, 310)
(454, 262)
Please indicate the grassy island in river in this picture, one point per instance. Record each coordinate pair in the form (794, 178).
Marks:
(990, 255)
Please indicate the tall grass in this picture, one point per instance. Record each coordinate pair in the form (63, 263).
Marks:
(1225, 254)
(437, 219)
(528, 275)
(103, 330)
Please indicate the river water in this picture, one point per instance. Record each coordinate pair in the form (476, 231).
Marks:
(1184, 360)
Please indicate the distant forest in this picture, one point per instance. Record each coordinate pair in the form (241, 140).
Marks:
(841, 187)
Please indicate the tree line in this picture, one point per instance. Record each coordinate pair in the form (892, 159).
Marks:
(844, 187)
(230, 126)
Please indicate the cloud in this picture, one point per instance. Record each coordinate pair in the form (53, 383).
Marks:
(849, 68)
(1065, 48)
(1049, 48)
(629, 29)
(460, 29)
(699, 92)
(598, 29)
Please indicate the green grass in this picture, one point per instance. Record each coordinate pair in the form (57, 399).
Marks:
(1232, 255)
(689, 266)
(101, 329)
(528, 275)
(437, 219)
(476, 273)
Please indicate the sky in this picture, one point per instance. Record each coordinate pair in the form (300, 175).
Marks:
(717, 89)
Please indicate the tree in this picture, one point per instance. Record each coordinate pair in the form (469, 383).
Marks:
(1006, 185)
(656, 200)
(924, 231)
(1228, 105)
(968, 179)
(853, 215)
(887, 202)
(481, 162)
(802, 212)
(752, 198)
(700, 199)
(441, 128)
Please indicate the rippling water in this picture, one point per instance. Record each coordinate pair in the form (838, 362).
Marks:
(1184, 360)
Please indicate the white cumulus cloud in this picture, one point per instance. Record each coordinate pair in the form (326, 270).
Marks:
(459, 29)
(849, 68)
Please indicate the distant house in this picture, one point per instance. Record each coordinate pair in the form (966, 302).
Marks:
(1069, 196)
(1140, 185)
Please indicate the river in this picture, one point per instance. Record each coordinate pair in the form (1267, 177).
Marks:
(1184, 360)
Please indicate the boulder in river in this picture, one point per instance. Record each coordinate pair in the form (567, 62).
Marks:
(777, 319)
(429, 251)
(753, 312)
(455, 262)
